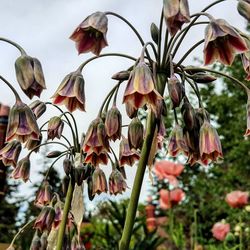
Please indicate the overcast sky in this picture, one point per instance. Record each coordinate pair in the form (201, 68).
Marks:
(43, 27)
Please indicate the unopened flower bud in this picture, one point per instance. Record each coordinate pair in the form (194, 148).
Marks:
(135, 134)
(154, 32)
(44, 241)
(188, 115)
(113, 123)
(230, 237)
(176, 91)
(29, 75)
(22, 170)
(79, 174)
(38, 108)
(244, 9)
(44, 194)
(10, 153)
(67, 166)
(203, 78)
(45, 219)
(65, 184)
(117, 184)
(121, 76)
(35, 243)
(91, 195)
(55, 127)
(99, 182)
(54, 154)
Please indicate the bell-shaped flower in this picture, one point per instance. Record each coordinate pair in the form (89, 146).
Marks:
(22, 169)
(220, 230)
(38, 108)
(71, 92)
(244, 9)
(113, 123)
(55, 127)
(176, 13)
(90, 35)
(188, 115)
(44, 194)
(99, 182)
(45, 219)
(209, 143)
(22, 124)
(140, 88)
(29, 75)
(10, 153)
(222, 42)
(127, 156)
(130, 110)
(237, 199)
(117, 183)
(135, 134)
(176, 91)
(168, 199)
(96, 143)
(177, 143)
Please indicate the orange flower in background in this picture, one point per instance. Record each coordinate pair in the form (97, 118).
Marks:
(220, 230)
(170, 198)
(222, 42)
(237, 199)
(90, 35)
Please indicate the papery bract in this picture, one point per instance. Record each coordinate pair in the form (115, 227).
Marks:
(222, 42)
(237, 199)
(71, 92)
(176, 13)
(22, 124)
(29, 75)
(90, 35)
(220, 230)
(10, 153)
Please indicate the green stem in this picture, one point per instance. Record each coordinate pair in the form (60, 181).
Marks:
(241, 235)
(65, 215)
(104, 55)
(22, 51)
(18, 99)
(159, 39)
(133, 203)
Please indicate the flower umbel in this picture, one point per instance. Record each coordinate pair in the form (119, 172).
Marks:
(71, 92)
(22, 124)
(222, 42)
(90, 35)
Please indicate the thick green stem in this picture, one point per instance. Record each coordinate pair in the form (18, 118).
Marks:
(65, 215)
(133, 203)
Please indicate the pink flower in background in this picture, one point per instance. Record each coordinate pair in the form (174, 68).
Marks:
(237, 199)
(170, 198)
(165, 168)
(220, 230)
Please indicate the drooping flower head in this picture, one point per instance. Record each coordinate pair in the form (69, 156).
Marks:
(140, 88)
(22, 124)
(34, 144)
(135, 133)
(55, 127)
(237, 199)
(44, 194)
(29, 75)
(96, 143)
(45, 219)
(222, 42)
(90, 35)
(127, 156)
(99, 182)
(10, 153)
(38, 108)
(22, 169)
(113, 123)
(209, 144)
(71, 92)
(220, 230)
(176, 13)
(117, 183)
(177, 143)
